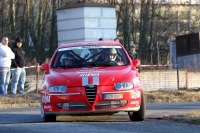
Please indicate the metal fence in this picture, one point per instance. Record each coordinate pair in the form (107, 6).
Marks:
(153, 78)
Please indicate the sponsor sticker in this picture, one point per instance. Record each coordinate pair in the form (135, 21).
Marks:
(134, 102)
(48, 107)
(64, 98)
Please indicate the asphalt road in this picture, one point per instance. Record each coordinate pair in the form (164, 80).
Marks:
(27, 120)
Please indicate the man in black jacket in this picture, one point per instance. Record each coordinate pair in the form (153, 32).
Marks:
(18, 70)
(132, 53)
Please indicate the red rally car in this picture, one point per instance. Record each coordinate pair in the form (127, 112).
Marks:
(91, 78)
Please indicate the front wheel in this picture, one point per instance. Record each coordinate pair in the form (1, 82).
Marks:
(46, 118)
(140, 114)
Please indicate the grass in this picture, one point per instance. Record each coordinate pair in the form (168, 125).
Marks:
(150, 97)
(20, 99)
(191, 117)
(190, 95)
(172, 96)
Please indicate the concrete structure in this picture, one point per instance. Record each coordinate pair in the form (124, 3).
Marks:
(86, 21)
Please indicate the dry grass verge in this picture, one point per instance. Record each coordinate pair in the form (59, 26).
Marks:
(192, 117)
(150, 97)
(20, 99)
(172, 96)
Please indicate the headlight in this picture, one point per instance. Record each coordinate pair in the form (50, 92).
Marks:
(123, 86)
(62, 89)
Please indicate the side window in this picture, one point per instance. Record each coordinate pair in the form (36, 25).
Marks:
(123, 57)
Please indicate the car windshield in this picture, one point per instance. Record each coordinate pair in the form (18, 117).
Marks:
(90, 56)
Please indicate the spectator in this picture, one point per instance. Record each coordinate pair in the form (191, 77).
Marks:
(6, 55)
(100, 39)
(18, 73)
(132, 53)
(116, 39)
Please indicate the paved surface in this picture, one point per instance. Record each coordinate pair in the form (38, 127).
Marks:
(27, 120)
(153, 111)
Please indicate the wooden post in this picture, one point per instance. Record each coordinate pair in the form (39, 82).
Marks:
(177, 72)
(37, 75)
(186, 78)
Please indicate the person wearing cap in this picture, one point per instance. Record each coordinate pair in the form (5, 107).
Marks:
(6, 55)
(18, 71)
(132, 53)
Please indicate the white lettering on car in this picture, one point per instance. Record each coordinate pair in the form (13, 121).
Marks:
(134, 102)
(48, 107)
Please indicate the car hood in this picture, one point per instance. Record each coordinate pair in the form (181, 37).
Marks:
(90, 76)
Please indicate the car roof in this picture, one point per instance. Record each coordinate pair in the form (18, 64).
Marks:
(90, 43)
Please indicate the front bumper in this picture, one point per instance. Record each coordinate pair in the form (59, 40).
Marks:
(80, 103)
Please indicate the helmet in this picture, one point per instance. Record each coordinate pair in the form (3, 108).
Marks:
(110, 51)
(67, 59)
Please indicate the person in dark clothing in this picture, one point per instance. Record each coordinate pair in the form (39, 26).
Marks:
(17, 66)
(132, 53)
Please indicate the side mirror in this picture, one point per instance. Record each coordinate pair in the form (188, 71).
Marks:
(136, 64)
(45, 67)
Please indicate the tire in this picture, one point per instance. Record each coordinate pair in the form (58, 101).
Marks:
(140, 114)
(46, 118)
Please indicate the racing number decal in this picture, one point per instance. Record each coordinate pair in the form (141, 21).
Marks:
(45, 99)
(90, 80)
(135, 94)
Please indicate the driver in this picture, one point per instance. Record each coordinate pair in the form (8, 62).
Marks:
(110, 55)
(67, 59)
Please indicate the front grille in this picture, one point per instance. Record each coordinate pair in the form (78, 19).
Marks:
(106, 105)
(78, 106)
(103, 105)
(72, 106)
(91, 94)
